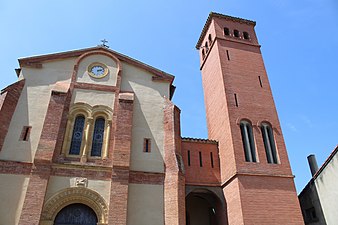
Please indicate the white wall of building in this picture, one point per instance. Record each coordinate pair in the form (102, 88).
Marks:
(12, 195)
(145, 204)
(327, 187)
(147, 117)
(32, 108)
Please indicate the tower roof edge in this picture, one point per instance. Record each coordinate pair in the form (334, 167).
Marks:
(219, 15)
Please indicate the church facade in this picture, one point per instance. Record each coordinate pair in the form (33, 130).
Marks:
(91, 136)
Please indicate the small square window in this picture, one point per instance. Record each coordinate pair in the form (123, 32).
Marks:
(147, 145)
(26, 130)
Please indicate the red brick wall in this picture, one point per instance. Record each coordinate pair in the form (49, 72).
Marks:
(269, 200)
(195, 174)
(174, 182)
(224, 77)
(121, 161)
(8, 101)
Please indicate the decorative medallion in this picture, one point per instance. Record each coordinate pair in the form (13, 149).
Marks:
(97, 70)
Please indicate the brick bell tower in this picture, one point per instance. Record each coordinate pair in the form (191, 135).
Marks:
(256, 177)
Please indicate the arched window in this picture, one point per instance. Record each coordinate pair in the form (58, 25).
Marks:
(210, 39)
(236, 33)
(269, 143)
(75, 145)
(206, 47)
(248, 141)
(203, 53)
(76, 214)
(226, 31)
(246, 35)
(98, 137)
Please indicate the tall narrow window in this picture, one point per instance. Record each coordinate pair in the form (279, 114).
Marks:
(206, 47)
(226, 31)
(98, 137)
(236, 101)
(269, 143)
(228, 56)
(146, 145)
(75, 145)
(211, 160)
(200, 155)
(236, 33)
(260, 81)
(248, 141)
(25, 133)
(188, 157)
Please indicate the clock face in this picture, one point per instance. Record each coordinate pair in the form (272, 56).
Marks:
(97, 70)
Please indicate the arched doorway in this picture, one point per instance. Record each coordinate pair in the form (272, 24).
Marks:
(77, 196)
(204, 208)
(76, 214)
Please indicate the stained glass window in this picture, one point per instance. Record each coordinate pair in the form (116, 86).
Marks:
(75, 145)
(98, 137)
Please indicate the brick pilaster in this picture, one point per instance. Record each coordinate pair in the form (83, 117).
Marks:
(121, 160)
(41, 170)
(174, 182)
(8, 100)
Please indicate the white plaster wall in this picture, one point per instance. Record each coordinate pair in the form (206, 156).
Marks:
(145, 204)
(58, 183)
(12, 195)
(93, 97)
(110, 79)
(147, 117)
(32, 107)
(327, 187)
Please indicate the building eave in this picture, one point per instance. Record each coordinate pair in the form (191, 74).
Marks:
(219, 15)
(35, 61)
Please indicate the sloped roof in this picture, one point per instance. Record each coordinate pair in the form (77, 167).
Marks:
(327, 161)
(76, 53)
(219, 15)
(201, 140)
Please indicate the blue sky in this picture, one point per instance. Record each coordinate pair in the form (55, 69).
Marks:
(299, 45)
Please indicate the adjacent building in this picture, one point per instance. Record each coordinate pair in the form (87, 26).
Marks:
(318, 199)
(91, 136)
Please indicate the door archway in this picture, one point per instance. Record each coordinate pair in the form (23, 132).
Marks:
(76, 214)
(203, 207)
(75, 195)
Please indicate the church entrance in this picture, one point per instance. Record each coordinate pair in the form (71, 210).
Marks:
(204, 208)
(76, 214)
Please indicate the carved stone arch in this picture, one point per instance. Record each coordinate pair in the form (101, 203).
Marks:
(80, 107)
(104, 111)
(73, 195)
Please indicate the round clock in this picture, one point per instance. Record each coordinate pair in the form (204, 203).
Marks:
(97, 70)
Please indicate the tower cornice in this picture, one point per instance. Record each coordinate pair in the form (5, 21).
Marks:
(219, 15)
